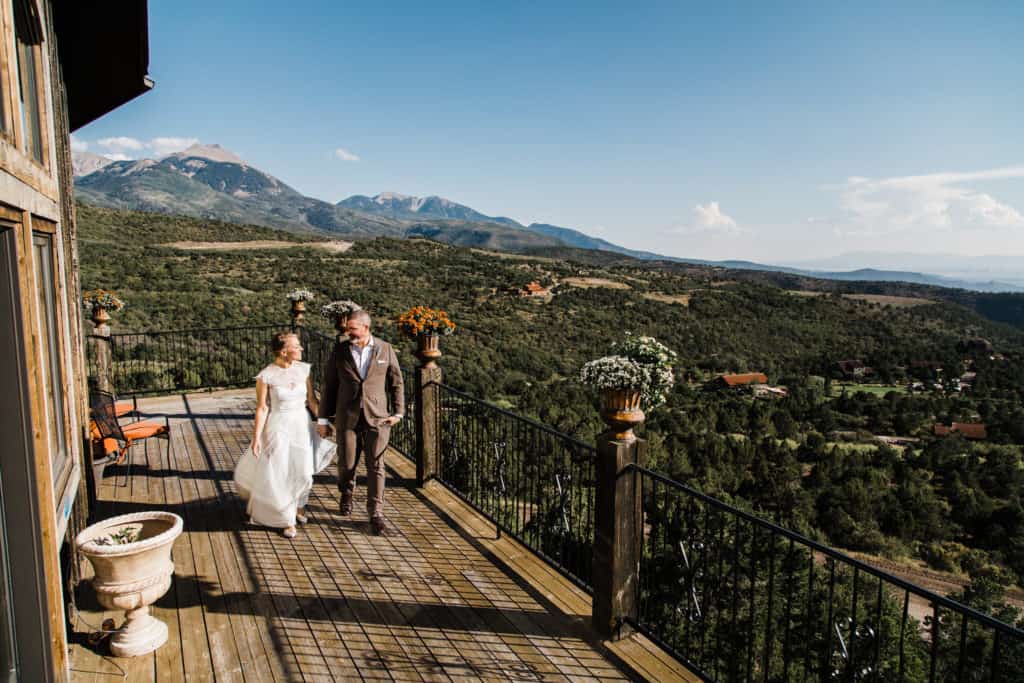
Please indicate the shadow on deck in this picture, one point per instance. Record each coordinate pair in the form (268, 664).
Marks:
(440, 598)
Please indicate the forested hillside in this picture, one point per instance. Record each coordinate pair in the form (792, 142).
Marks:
(811, 459)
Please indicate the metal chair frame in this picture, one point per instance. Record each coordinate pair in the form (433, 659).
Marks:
(103, 411)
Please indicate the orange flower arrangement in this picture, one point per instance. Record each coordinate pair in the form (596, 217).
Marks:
(422, 320)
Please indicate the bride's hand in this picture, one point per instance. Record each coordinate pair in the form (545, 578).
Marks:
(255, 448)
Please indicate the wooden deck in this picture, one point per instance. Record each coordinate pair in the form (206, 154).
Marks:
(439, 599)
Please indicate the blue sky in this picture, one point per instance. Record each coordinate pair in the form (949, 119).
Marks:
(707, 130)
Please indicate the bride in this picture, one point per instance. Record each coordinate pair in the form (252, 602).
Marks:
(275, 473)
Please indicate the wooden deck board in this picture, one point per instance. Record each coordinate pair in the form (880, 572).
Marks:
(439, 599)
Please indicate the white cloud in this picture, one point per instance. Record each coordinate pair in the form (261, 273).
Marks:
(345, 155)
(711, 216)
(78, 145)
(121, 148)
(709, 221)
(164, 146)
(121, 144)
(937, 201)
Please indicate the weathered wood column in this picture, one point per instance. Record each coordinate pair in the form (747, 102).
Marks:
(428, 410)
(100, 352)
(617, 518)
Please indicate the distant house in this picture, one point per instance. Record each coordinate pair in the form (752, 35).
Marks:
(854, 369)
(534, 289)
(734, 382)
(968, 430)
(765, 391)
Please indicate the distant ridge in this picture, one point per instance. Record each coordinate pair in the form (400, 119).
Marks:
(209, 181)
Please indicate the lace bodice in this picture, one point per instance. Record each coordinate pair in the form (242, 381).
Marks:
(287, 386)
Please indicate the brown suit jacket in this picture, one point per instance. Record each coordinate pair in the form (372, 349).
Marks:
(346, 395)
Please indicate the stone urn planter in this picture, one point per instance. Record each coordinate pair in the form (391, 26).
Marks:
(131, 559)
(621, 411)
(298, 312)
(100, 316)
(428, 349)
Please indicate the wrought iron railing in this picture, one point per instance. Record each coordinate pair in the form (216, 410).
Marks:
(740, 599)
(534, 483)
(159, 362)
(317, 349)
(403, 434)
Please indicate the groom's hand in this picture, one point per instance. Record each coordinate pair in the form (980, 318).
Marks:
(323, 430)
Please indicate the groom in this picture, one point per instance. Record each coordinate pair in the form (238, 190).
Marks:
(360, 375)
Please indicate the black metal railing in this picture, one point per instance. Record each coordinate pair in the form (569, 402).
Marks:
(317, 347)
(159, 362)
(403, 434)
(534, 483)
(739, 598)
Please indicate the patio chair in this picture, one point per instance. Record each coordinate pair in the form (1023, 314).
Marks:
(114, 438)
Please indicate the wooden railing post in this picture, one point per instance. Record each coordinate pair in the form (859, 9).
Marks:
(428, 407)
(618, 539)
(99, 350)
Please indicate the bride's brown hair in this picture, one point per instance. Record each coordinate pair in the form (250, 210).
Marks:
(278, 340)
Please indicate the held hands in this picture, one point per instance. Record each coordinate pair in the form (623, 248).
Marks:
(323, 430)
(392, 421)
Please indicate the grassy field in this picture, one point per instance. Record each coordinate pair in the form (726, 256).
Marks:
(876, 389)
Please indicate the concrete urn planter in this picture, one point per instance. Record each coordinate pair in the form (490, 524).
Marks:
(132, 575)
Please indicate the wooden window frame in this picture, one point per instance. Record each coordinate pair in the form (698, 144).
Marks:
(38, 77)
(32, 517)
(7, 121)
(65, 477)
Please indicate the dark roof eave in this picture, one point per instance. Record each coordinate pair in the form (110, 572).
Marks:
(104, 55)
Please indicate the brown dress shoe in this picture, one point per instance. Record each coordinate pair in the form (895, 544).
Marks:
(379, 525)
(346, 505)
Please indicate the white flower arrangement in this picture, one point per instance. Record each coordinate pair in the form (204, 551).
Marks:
(300, 295)
(101, 298)
(614, 372)
(642, 364)
(336, 309)
(645, 350)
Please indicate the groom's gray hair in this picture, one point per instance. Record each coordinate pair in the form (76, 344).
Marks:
(360, 316)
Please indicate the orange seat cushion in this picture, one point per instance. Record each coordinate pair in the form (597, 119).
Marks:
(123, 408)
(142, 430)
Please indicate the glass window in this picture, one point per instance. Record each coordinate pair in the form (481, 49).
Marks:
(28, 36)
(9, 342)
(42, 244)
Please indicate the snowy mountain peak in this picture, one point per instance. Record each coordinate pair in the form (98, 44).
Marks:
(211, 152)
(85, 163)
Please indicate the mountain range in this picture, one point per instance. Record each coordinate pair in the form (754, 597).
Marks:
(208, 181)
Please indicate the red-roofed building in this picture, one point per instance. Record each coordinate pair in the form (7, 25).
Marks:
(740, 381)
(534, 289)
(745, 379)
(969, 430)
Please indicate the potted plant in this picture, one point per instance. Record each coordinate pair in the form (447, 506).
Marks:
(635, 379)
(131, 560)
(299, 297)
(426, 325)
(339, 311)
(100, 303)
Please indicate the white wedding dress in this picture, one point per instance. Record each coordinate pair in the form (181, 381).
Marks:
(278, 481)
